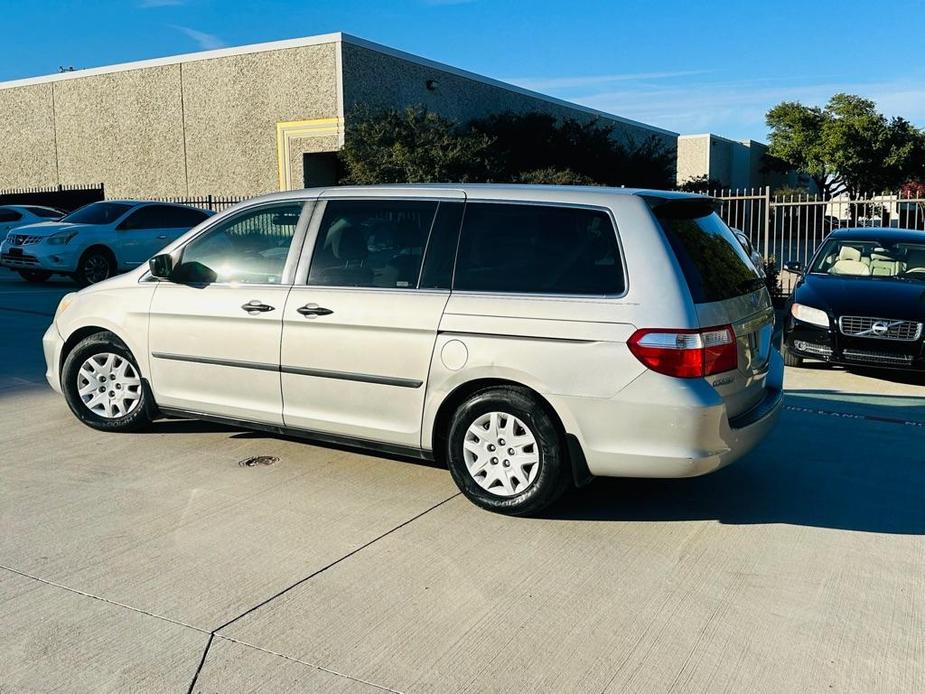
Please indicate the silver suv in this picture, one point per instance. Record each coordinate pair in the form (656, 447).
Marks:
(529, 337)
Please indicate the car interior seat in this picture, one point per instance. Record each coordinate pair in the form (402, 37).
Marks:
(849, 263)
(885, 266)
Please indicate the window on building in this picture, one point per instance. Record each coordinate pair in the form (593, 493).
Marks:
(371, 243)
(538, 249)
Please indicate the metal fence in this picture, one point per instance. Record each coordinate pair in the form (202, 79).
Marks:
(791, 227)
(216, 203)
(63, 197)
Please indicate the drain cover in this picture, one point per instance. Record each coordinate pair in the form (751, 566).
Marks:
(256, 460)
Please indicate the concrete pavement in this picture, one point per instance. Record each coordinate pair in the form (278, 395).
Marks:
(154, 562)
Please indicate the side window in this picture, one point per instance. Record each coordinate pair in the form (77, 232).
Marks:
(250, 248)
(371, 243)
(181, 217)
(9, 216)
(538, 249)
(148, 217)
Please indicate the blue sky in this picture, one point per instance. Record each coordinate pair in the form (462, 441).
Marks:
(683, 65)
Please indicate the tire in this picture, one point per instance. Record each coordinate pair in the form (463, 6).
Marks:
(95, 266)
(34, 276)
(791, 359)
(108, 353)
(512, 489)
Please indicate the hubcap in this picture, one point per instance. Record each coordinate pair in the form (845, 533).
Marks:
(96, 269)
(109, 385)
(501, 454)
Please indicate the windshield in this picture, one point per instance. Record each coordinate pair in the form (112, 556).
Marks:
(854, 258)
(97, 213)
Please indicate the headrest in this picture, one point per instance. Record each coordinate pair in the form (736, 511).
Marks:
(849, 253)
(350, 244)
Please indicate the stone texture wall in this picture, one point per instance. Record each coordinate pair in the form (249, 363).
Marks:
(124, 129)
(232, 107)
(693, 157)
(194, 128)
(27, 138)
(384, 81)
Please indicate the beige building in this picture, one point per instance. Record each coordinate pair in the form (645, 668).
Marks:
(237, 121)
(736, 164)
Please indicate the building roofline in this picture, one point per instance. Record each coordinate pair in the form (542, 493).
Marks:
(337, 37)
(459, 72)
(177, 59)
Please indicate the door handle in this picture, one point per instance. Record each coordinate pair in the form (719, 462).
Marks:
(312, 310)
(162, 236)
(255, 306)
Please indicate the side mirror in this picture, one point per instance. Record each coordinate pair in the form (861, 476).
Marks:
(794, 266)
(161, 266)
(193, 273)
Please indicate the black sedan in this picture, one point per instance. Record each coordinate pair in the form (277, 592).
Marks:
(860, 301)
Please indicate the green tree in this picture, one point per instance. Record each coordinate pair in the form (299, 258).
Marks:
(411, 146)
(701, 184)
(847, 146)
(553, 176)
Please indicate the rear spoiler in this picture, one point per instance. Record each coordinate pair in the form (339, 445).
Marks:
(681, 208)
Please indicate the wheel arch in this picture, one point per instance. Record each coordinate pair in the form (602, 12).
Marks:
(82, 333)
(463, 391)
(99, 246)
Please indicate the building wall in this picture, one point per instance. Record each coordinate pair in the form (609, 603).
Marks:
(693, 157)
(189, 128)
(381, 80)
(27, 137)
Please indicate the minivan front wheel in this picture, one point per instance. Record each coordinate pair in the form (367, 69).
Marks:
(506, 453)
(103, 386)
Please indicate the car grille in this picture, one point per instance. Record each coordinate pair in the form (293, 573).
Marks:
(883, 358)
(19, 259)
(23, 239)
(880, 328)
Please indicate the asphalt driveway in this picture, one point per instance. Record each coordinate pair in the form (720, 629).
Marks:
(156, 562)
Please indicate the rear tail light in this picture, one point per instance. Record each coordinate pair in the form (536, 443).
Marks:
(686, 353)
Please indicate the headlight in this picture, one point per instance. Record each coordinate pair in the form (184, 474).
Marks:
(66, 301)
(61, 238)
(808, 314)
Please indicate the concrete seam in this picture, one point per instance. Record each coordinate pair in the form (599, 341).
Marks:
(102, 599)
(308, 578)
(307, 664)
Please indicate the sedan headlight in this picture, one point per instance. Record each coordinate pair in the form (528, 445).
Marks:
(61, 238)
(811, 315)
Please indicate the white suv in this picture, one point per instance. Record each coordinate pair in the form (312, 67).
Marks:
(530, 337)
(96, 241)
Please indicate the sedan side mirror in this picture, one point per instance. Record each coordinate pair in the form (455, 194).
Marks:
(161, 266)
(794, 266)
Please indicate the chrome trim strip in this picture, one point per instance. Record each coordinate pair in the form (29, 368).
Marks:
(259, 366)
(350, 376)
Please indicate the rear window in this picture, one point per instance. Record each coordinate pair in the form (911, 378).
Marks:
(713, 261)
(538, 249)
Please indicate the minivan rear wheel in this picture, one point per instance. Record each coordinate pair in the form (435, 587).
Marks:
(506, 452)
(103, 385)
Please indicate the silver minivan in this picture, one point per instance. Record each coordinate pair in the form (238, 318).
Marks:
(529, 337)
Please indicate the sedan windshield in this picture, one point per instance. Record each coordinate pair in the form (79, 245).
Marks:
(97, 213)
(877, 259)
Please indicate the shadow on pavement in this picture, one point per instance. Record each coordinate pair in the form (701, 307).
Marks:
(819, 470)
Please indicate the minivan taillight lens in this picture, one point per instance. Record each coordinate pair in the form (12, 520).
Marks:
(686, 353)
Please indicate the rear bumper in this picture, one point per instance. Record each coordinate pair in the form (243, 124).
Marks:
(668, 427)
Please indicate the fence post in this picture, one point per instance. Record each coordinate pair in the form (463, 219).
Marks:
(767, 221)
(211, 207)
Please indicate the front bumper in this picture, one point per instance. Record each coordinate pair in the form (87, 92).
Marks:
(38, 256)
(660, 426)
(829, 345)
(52, 344)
